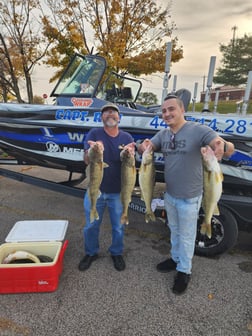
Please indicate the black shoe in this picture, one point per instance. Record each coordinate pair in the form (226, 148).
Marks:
(86, 262)
(119, 263)
(181, 283)
(167, 266)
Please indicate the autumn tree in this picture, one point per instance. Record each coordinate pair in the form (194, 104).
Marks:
(9, 73)
(236, 62)
(20, 46)
(130, 34)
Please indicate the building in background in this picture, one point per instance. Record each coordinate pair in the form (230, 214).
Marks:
(226, 92)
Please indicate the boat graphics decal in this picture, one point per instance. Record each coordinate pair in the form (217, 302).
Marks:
(44, 136)
(53, 150)
(221, 123)
(81, 101)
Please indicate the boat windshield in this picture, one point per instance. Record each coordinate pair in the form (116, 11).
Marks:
(82, 76)
(119, 89)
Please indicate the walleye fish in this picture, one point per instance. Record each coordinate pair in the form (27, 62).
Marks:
(212, 188)
(18, 255)
(128, 178)
(147, 181)
(94, 172)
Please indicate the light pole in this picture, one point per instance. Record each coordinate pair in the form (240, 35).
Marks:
(167, 69)
(209, 83)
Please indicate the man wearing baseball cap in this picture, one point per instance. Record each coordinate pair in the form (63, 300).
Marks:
(111, 137)
(110, 106)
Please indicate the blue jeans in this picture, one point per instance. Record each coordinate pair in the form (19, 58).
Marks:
(91, 230)
(182, 215)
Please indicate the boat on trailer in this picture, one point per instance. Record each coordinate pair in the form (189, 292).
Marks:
(52, 136)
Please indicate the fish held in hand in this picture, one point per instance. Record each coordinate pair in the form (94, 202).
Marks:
(128, 178)
(94, 172)
(147, 181)
(212, 188)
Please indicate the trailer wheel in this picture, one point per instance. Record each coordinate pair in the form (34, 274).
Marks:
(224, 234)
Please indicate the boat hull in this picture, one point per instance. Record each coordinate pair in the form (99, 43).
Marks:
(53, 136)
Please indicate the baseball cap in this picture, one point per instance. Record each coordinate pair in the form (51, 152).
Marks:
(110, 106)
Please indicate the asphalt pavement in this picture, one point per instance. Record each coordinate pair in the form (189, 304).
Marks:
(136, 302)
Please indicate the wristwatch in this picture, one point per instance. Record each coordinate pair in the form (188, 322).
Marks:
(225, 147)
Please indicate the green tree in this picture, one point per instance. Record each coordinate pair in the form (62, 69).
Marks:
(147, 98)
(236, 62)
(130, 34)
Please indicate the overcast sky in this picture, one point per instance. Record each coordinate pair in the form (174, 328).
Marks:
(201, 27)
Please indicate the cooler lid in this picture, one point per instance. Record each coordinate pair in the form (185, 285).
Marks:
(37, 230)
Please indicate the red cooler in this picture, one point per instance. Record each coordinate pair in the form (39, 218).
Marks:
(40, 238)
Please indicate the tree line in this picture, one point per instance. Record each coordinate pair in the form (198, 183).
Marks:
(130, 34)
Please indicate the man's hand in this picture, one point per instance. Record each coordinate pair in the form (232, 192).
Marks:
(141, 148)
(222, 148)
(219, 149)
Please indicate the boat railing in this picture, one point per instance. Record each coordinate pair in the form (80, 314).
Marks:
(239, 106)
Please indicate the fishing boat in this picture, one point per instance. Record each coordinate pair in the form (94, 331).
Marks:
(52, 135)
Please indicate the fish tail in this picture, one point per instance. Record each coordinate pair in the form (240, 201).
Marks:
(206, 230)
(150, 217)
(203, 229)
(124, 219)
(93, 215)
(209, 231)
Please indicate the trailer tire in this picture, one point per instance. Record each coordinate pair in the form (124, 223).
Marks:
(224, 234)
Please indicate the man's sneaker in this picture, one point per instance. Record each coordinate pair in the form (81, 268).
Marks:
(167, 266)
(180, 283)
(119, 263)
(86, 262)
